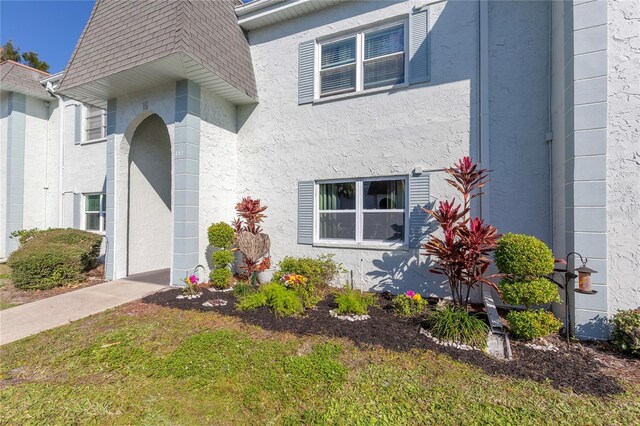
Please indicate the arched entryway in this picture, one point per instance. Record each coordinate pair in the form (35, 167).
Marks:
(149, 203)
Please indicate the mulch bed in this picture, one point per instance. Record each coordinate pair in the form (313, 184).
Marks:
(582, 368)
(15, 296)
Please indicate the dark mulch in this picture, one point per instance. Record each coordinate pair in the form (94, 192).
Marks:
(574, 367)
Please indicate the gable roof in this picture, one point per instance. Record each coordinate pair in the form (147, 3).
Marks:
(137, 44)
(16, 77)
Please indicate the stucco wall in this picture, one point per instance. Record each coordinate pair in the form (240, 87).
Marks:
(623, 155)
(36, 164)
(4, 119)
(218, 167)
(390, 133)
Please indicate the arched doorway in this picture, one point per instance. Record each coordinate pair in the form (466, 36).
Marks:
(149, 204)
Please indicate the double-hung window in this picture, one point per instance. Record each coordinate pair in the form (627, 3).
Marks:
(361, 211)
(95, 124)
(365, 60)
(94, 212)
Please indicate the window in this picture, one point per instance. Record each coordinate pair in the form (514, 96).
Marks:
(94, 212)
(362, 211)
(96, 123)
(366, 60)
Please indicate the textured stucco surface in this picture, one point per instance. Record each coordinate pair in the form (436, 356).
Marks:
(4, 119)
(218, 167)
(35, 165)
(623, 155)
(390, 133)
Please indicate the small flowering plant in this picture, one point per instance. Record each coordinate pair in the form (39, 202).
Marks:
(192, 285)
(409, 304)
(294, 280)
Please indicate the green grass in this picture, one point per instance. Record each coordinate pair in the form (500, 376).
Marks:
(150, 365)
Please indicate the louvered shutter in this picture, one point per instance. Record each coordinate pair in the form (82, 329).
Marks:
(305, 212)
(418, 198)
(419, 47)
(306, 56)
(77, 124)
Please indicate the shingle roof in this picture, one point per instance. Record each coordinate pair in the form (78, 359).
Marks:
(121, 35)
(20, 78)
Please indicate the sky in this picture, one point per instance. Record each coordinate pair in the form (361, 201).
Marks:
(48, 27)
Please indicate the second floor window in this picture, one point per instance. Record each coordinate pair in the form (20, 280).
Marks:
(366, 60)
(96, 123)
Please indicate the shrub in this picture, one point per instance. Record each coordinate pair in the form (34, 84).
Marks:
(523, 256)
(221, 235)
(409, 304)
(352, 302)
(320, 271)
(626, 331)
(529, 292)
(243, 289)
(222, 258)
(221, 278)
(528, 325)
(24, 235)
(453, 324)
(281, 300)
(53, 258)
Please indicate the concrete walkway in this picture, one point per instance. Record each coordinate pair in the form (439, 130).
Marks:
(31, 318)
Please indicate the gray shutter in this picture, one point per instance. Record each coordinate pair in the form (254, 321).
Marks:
(77, 213)
(305, 212)
(418, 198)
(306, 56)
(419, 47)
(77, 123)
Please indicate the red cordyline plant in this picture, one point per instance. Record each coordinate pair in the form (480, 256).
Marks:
(462, 254)
(250, 214)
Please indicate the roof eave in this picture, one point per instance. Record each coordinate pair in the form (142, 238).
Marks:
(262, 13)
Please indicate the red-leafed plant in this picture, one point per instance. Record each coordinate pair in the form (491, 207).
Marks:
(254, 247)
(462, 254)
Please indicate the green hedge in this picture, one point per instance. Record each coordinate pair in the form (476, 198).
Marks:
(320, 271)
(53, 258)
(529, 292)
(626, 331)
(523, 256)
(528, 325)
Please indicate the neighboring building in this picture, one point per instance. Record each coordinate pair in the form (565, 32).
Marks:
(340, 116)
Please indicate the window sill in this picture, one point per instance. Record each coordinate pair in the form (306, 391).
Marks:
(367, 92)
(92, 141)
(362, 246)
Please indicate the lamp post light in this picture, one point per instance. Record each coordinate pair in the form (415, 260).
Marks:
(584, 286)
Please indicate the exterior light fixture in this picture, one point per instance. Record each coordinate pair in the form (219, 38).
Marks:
(584, 279)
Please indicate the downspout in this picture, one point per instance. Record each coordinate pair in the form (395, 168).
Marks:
(52, 92)
(549, 135)
(483, 53)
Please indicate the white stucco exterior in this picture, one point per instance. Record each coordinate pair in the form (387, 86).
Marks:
(558, 129)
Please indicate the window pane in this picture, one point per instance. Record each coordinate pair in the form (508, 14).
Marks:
(341, 79)
(93, 222)
(384, 42)
(92, 203)
(338, 226)
(104, 202)
(384, 71)
(94, 134)
(383, 194)
(337, 196)
(338, 53)
(383, 226)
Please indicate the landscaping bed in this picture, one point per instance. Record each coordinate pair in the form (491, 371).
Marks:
(11, 296)
(582, 368)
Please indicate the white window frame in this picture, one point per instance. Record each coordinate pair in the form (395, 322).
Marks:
(359, 212)
(103, 126)
(101, 213)
(360, 35)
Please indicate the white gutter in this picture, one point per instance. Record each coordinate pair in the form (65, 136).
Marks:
(483, 47)
(255, 6)
(52, 91)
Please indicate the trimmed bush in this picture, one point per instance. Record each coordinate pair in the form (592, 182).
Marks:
(528, 325)
(352, 302)
(626, 331)
(529, 292)
(453, 324)
(221, 278)
(24, 235)
(53, 258)
(222, 258)
(523, 256)
(320, 271)
(221, 235)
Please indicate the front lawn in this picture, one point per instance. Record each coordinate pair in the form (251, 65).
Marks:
(148, 364)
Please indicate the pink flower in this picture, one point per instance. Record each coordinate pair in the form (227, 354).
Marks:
(410, 294)
(193, 279)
